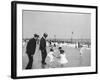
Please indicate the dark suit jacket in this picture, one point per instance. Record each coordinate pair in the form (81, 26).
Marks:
(42, 44)
(31, 46)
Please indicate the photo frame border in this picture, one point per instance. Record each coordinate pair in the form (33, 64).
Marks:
(14, 38)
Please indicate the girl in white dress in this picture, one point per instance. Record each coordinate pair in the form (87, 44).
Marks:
(51, 59)
(51, 55)
(63, 60)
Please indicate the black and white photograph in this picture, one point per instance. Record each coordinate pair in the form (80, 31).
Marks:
(54, 39)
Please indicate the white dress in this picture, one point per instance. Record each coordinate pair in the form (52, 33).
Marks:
(63, 59)
(50, 55)
(82, 50)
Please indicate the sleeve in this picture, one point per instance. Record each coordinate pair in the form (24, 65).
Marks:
(28, 46)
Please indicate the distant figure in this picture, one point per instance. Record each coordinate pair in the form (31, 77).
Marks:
(49, 43)
(60, 48)
(61, 44)
(43, 48)
(63, 60)
(30, 50)
(79, 45)
(82, 49)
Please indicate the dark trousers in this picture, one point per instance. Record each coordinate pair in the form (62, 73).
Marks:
(29, 65)
(44, 54)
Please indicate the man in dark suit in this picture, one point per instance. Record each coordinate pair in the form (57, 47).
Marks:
(43, 48)
(30, 50)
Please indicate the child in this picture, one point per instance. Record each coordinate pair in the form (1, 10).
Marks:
(50, 55)
(50, 58)
(63, 60)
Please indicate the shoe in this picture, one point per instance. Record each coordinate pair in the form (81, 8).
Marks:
(44, 63)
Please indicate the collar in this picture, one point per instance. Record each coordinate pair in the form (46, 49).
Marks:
(34, 38)
(44, 37)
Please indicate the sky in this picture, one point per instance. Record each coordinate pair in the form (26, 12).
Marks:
(60, 24)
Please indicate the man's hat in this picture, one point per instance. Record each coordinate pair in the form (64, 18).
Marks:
(45, 34)
(36, 35)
